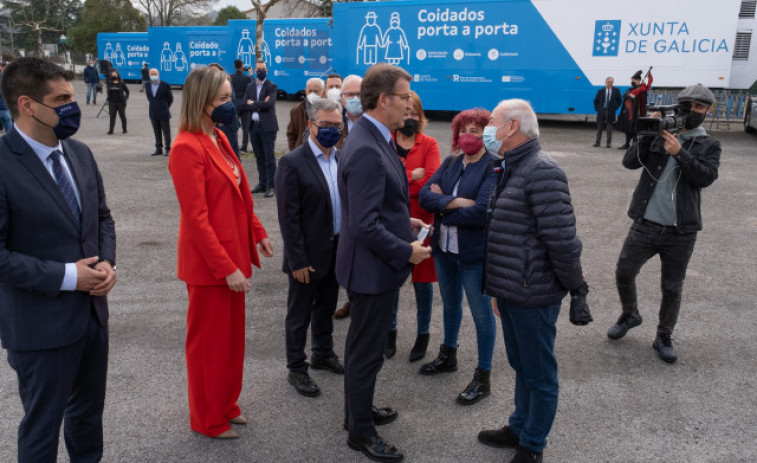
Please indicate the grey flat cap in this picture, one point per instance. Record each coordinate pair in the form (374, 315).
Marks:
(698, 93)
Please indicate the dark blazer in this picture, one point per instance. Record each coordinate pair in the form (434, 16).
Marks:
(266, 109)
(374, 242)
(599, 104)
(38, 235)
(476, 182)
(305, 213)
(239, 83)
(160, 104)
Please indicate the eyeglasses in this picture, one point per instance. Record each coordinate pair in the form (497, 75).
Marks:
(350, 94)
(328, 125)
(405, 97)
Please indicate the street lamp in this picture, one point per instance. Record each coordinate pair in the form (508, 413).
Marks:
(62, 41)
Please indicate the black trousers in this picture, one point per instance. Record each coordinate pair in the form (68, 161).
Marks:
(262, 145)
(310, 304)
(119, 108)
(244, 122)
(164, 128)
(63, 385)
(603, 122)
(645, 240)
(363, 357)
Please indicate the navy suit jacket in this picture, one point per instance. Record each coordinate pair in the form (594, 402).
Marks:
(38, 235)
(599, 103)
(160, 104)
(266, 109)
(374, 242)
(306, 218)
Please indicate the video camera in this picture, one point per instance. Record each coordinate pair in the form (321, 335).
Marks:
(673, 118)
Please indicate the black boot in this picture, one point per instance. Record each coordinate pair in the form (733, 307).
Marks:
(446, 361)
(391, 345)
(419, 349)
(477, 389)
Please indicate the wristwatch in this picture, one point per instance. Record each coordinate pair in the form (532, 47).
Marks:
(112, 264)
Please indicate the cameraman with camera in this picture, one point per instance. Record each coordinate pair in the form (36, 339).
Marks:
(666, 209)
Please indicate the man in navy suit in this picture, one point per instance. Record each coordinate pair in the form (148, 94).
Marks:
(310, 218)
(160, 97)
(57, 265)
(377, 248)
(260, 102)
(606, 103)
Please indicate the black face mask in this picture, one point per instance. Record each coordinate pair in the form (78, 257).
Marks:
(694, 120)
(634, 84)
(411, 127)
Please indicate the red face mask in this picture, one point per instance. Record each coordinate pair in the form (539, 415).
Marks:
(470, 144)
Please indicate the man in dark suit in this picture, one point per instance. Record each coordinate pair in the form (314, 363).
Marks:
(260, 100)
(57, 265)
(377, 248)
(239, 83)
(606, 104)
(310, 218)
(160, 97)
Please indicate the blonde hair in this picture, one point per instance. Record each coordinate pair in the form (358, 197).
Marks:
(200, 90)
(418, 107)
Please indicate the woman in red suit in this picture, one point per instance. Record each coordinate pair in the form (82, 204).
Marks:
(419, 154)
(218, 232)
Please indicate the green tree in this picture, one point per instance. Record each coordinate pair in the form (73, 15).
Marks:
(230, 12)
(105, 16)
(40, 21)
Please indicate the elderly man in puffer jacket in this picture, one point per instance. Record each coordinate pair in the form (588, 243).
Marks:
(532, 260)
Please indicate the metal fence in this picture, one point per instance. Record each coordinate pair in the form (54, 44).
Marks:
(729, 107)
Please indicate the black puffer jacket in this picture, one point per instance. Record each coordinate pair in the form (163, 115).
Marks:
(533, 256)
(698, 162)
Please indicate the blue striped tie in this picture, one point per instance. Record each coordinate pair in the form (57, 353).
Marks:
(65, 185)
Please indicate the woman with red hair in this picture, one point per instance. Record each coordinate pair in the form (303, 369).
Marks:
(458, 195)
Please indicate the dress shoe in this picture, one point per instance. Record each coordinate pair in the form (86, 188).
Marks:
(303, 384)
(609, 145)
(269, 193)
(523, 455)
(375, 448)
(166, 154)
(228, 434)
(477, 389)
(444, 362)
(258, 188)
(420, 347)
(125, 132)
(157, 153)
(110, 133)
(344, 312)
(381, 416)
(331, 364)
(595, 145)
(623, 147)
(663, 344)
(624, 323)
(503, 438)
(241, 419)
(391, 345)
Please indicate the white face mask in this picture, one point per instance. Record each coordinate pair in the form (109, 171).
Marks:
(490, 139)
(312, 97)
(354, 106)
(334, 94)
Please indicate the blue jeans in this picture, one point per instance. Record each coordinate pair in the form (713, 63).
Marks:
(454, 277)
(6, 119)
(424, 299)
(92, 89)
(530, 345)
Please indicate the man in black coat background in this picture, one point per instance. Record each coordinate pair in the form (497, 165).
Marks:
(260, 101)
(239, 83)
(606, 104)
(160, 97)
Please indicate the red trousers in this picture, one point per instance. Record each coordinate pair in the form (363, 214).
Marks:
(215, 357)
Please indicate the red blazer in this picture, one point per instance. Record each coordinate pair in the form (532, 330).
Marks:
(218, 230)
(424, 153)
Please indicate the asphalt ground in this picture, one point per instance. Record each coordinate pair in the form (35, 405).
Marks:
(618, 401)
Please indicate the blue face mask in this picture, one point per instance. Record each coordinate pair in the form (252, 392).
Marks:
(224, 113)
(354, 106)
(261, 74)
(490, 139)
(69, 117)
(154, 78)
(328, 136)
